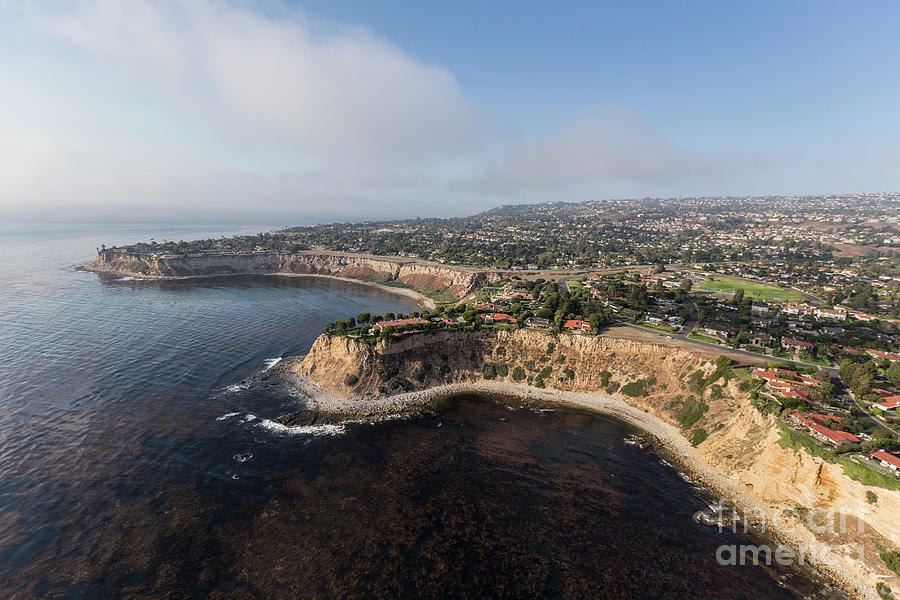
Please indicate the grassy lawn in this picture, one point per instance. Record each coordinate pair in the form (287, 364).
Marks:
(662, 328)
(703, 338)
(573, 284)
(754, 349)
(759, 291)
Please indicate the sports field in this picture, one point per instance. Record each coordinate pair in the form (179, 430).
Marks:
(759, 291)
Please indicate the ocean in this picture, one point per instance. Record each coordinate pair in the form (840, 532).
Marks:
(139, 458)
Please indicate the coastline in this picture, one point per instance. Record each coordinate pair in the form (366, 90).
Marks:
(667, 436)
(422, 300)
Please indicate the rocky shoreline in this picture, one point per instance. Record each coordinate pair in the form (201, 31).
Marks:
(330, 408)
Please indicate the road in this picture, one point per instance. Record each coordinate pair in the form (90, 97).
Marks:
(871, 417)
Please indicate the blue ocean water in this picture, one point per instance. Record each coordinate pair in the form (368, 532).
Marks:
(138, 458)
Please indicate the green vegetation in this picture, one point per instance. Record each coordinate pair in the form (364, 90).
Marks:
(489, 371)
(638, 388)
(351, 380)
(660, 328)
(438, 296)
(570, 374)
(751, 289)
(692, 411)
(604, 378)
(703, 338)
(518, 374)
(871, 497)
(891, 559)
(698, 436)
(884, 592)
(798, 441)
(502, 369)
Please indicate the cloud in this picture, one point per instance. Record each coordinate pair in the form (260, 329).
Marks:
(324, 89)
(599, 145)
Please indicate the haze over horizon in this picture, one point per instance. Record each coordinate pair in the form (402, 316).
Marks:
(284, 111)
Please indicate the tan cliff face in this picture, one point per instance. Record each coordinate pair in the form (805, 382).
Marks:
(788, 488)
(416, 275)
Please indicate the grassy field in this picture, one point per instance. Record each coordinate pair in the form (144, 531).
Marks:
(573, 284)
(703, 338)
(759, 291)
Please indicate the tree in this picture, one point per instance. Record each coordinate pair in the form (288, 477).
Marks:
(893, 373)
(389, 316)
(686, 285)
(738, 296)
(363, 317)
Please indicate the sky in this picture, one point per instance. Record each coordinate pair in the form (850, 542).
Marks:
(349, 110)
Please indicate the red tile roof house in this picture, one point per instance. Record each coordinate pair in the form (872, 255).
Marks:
(798, 345)
(813, 422)
(838, 438)
(891, 461)
(576, 324)
(497, 318)
(889, 403)
(891, 356)
(399, 323)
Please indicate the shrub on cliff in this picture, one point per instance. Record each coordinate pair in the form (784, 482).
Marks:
(698, 436)
(638, 388)
(502, 369)
(518, 374)
(351, 380)
(891, 560)
(604, 378)
(489, 372)
(692, 411)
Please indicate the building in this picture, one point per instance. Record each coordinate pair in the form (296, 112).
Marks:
(891, 356)
(655, 319)
(891, 461)
(577, 324)
(497, 318)
(888, 403)
(757, 339)
(398, 323)
(830, 313)
(796, 345)
(832, 436)
(537, 323)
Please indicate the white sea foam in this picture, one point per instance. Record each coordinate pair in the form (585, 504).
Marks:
(277, 427)
(128, 278)
(227, 416)
(271, 362)
(248, 417)
(237, 387)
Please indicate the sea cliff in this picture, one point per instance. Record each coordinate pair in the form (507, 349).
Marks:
(410, 273)
(699, 411)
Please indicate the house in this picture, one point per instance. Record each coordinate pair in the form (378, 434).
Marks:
(760, 308)
(757, 339)
(399, 323)
(832, 436)
(631, 313)
(881, 392)
(891, 461)
(796, 345)
(891, 356)
(577, 324)
(830, 313)
(805, 420)
(492, 318)
(888, 403)
(537, 323)
(718, 330)
(655, 319)
(833, 330)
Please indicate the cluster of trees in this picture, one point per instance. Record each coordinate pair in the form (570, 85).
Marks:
(860, 376)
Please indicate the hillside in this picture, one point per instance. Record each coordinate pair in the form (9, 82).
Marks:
(680, 396)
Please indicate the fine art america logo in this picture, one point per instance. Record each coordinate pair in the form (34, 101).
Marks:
(818, 521)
